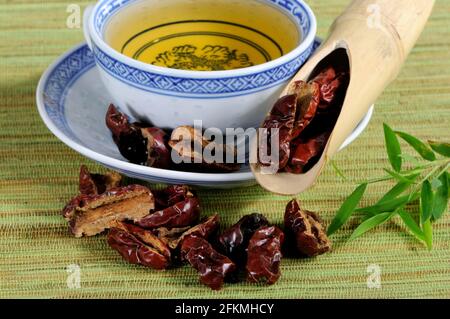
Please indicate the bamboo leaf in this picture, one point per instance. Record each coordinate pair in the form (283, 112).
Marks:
(393, 148)
(412, 226)
(399, 177)
(371, 223)
(395, 191)
(347, 209)
(440, 202)
(426, 202)
(441, 148)
(428, 233)
(389, 205)
(423, 149)
(411, 159)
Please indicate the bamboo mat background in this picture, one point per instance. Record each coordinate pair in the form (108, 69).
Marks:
(38, 174)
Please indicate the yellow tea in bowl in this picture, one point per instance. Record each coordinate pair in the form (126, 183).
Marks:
(202, 35)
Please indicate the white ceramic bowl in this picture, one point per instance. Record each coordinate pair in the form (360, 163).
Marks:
(169, 97)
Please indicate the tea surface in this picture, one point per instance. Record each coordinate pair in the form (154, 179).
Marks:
(202, 35)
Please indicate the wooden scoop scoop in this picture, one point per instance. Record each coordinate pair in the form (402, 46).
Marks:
(377, 36)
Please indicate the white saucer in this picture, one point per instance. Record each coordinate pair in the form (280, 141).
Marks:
(72, 102)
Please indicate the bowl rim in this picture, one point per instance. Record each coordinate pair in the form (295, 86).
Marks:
(306, 42)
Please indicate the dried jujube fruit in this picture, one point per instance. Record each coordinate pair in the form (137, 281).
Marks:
(157, 148)
(264, 255)
(306, 229)
(171, 195)
(190, 144)
(152, 146)
(94, 184)
(174, 236)
(138, 143)
(182, 214)
(90, 215)
(139, 246)
(212, 266)
(304, 152)
(314, 103)
(234, 240)
(159, 229)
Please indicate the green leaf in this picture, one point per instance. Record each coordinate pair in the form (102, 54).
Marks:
(395, 191)
(393, 148)
(411, 159)
(423, 149)
(347, 209)
(428, 233)
(371, 223)
(440, 202)
(426, 202)
(389, 205)
(441, 148)
(411, 224)
(400, 177)
(448, 182)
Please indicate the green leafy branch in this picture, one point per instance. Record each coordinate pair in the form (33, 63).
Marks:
(424, 187)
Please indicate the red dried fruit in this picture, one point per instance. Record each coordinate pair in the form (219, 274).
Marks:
(264, 255)
(182, 214)
(171, 195)
(94, 184)
(90, 215)
(305, 105)
(234, 240)
(189, 144)
(139, 144)
(157, 147)
(174, 236)
(139, 246)
(306, 228)
(213, 267)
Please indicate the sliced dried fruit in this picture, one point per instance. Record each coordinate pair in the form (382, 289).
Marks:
(90, 215)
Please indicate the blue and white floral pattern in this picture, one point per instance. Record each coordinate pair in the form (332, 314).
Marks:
(189, 86)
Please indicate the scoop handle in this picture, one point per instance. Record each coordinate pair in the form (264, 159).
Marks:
(404, 20)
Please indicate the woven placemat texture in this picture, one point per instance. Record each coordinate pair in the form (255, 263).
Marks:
(38, 174)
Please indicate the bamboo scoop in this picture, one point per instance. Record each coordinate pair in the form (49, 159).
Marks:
(377, 36)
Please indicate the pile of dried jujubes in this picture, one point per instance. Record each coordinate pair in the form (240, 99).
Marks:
(145, 144)
(306, 115)
(162, 229)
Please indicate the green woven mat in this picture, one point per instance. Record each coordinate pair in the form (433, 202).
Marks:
(38, 174)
